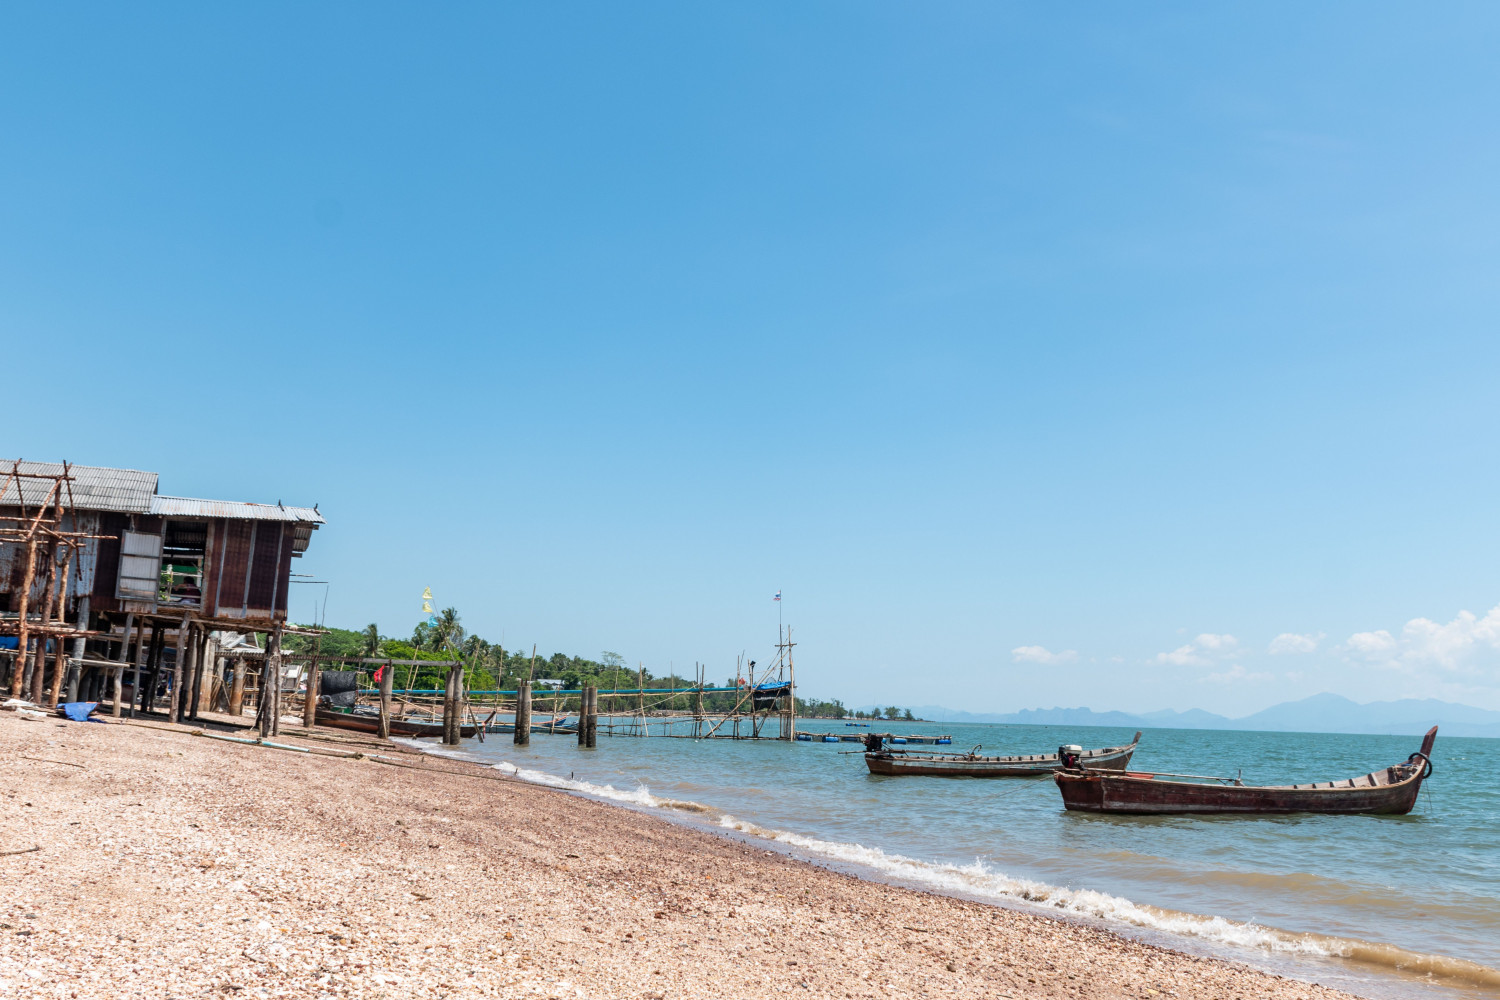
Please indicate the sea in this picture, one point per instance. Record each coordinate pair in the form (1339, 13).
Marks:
(1381, 906)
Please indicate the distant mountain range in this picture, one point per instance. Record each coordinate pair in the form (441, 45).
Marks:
(1322, 713)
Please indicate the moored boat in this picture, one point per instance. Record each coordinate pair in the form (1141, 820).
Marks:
(361, 723)
(1390, 791)
(973, 765)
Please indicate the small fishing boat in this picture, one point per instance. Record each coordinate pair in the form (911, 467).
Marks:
(1390, 791)
(972, 765)
(362, 723)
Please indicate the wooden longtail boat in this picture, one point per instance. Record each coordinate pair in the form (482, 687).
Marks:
(972, 765)
(1392, 790)
(371, 724)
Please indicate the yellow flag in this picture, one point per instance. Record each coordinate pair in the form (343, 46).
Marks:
(426, 593)
(427, 606)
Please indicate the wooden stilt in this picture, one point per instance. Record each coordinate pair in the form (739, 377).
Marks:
(237, 691)
(174, 697)
(591, 727)
(28, 580)
(314, 676)
(273, 665)
(387, 681)
(193, 675)
(153, 665)
(75, 666)
(61, 662)
(38, 672)
(119, 672)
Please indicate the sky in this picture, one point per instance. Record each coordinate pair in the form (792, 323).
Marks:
(1126, 357)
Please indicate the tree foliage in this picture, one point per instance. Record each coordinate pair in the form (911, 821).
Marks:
(489, 667)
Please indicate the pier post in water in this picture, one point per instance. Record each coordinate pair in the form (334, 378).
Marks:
(583, 714)
(523, 714)
(588, 722)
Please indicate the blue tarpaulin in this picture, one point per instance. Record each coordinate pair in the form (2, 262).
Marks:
(79, 711)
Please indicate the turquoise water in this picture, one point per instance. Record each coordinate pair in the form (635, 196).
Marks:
(1327, 897)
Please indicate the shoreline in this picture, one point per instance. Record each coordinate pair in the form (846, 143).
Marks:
(1368, 968)
(198, 864)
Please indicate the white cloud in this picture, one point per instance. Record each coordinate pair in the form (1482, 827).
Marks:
(1293, 642)
(1236, 673)
(1372, 643)
(1041, 654)
(1198, 652)
(1467, 646)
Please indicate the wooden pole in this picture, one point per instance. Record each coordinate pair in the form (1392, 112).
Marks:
(273, 673)
(63, 665)
(589, 721)
(387, 681)
(640, 696)
(237, 692)
(583, 716)
(28, 580)
(523, 715)
(142, 656)
(698, 706)
(119, 671)
(791, 680)
(50, 595)
(463, 704)
(75, 666)
(449, 710)
(314, 677)
(153, 663)
(191, 681)
(203, 683)
(174, 700)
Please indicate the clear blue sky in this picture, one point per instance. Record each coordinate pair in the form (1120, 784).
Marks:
(985, 332)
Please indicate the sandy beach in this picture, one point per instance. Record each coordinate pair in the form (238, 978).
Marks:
(173, 865)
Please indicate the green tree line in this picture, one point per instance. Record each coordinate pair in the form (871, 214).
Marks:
(490, 667)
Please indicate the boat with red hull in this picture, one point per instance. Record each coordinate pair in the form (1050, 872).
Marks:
(972, 765)
(1389, 791)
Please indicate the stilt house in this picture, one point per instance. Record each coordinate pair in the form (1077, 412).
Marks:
(88, 554)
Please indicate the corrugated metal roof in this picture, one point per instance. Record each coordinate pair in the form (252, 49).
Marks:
(186, 507)
(94, 487)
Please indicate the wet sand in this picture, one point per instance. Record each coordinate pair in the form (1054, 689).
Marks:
(170, 865)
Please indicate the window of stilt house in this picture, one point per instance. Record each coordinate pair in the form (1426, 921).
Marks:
(182, 561)
(140, 566)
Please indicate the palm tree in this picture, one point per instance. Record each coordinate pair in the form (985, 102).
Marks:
(369, 641)
(446, 631)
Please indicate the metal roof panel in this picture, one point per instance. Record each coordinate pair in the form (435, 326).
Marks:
(233, 509)
(94, 487)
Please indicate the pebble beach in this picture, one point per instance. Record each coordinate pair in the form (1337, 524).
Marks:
(140, 859)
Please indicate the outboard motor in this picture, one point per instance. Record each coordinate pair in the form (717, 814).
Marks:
(873, 743)
(1068, 755)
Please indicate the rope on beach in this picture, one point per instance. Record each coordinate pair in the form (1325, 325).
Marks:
(49, 760)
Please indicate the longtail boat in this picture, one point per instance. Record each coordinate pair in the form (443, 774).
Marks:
(1392, 791)
(972, 765)
(362, 723)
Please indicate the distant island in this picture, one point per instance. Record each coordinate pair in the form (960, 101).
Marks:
(1321, 713)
